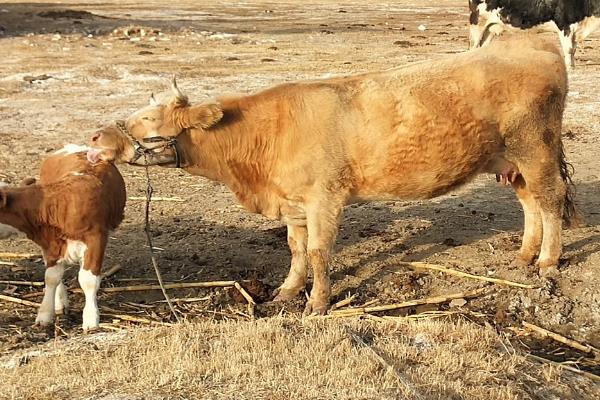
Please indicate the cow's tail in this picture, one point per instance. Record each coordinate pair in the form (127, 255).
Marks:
(571, 216)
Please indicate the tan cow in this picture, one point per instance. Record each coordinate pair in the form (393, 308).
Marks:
(299, 152)
(69, 214)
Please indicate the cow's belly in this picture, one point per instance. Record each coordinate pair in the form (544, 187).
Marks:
(274, 206)
(408, 176)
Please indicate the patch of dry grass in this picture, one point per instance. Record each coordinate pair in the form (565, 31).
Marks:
(284, 358)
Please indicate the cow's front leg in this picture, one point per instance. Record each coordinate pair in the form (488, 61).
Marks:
(322, 224)
(296, 279)
(568, 45)
(52, 278)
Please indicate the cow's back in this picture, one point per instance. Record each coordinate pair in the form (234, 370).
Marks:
(420, 130)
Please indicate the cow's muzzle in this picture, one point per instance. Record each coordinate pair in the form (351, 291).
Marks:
(165, 154)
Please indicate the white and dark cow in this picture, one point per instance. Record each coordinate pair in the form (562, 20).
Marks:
(574, 20)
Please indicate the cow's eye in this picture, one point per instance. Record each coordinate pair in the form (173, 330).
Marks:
(148, 118)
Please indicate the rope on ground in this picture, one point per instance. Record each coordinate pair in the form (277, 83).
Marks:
(149, 191)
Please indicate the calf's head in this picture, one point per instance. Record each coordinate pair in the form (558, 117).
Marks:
(148, 137)
(110, 143)
(6, 231)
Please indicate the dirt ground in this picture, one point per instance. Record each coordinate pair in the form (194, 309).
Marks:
(71, 67)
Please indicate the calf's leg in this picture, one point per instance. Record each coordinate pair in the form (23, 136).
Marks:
(52, 279)
(61, 299)
(296, 279)
(89, 279)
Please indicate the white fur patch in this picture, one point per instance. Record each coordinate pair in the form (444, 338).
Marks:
(72, 149)
(75, 252)
(90, 284)
(61, 299)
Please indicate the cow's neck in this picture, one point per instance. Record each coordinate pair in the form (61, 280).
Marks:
(237, 152)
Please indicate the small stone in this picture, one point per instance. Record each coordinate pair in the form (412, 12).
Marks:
(458, 303)
(450, 242)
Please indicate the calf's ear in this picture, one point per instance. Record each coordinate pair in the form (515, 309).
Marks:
(204, 115)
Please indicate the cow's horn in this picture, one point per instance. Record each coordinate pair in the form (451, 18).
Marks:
(176, 91)
(153, 101)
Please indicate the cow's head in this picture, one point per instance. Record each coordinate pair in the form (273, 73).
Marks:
(168, 118)
(484, 23)
(148, 137)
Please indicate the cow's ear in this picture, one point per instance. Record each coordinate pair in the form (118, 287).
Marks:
(204, 115)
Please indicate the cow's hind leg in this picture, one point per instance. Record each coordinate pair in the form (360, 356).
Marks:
(532, 233)
(544, 183)
(322, 223)
(296, 279)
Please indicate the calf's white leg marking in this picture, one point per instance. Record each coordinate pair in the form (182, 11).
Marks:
(61, 299)
(90, 284)
(52, 279)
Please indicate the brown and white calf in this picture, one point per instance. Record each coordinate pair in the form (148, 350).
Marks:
(69, 214)
(299, 152)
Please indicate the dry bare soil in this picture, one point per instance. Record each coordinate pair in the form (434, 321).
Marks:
(71, 67)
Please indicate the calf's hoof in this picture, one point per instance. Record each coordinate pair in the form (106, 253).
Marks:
(90, 329)
(60, 311)
(283, 294)
(43, 320)
(90, 326)
(315, 308)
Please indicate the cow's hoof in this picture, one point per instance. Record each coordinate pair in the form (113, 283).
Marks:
(521, 262)
(549, 272)
(315, 308)
(283, 294)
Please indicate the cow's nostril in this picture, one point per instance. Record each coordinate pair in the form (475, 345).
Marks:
(96, 137)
